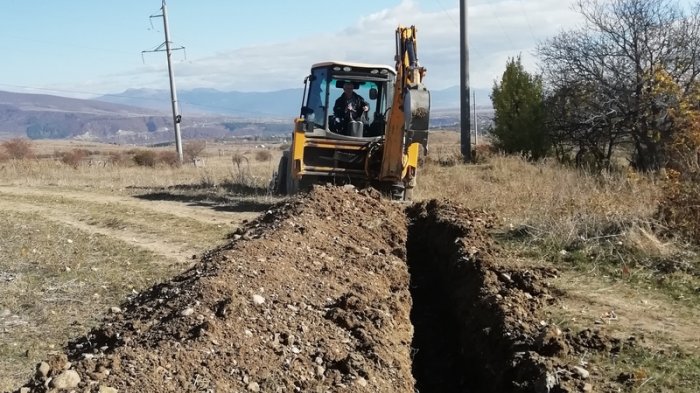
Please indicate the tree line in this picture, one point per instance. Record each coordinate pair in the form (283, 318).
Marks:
(623, 84)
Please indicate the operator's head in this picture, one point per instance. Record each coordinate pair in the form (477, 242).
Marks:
(348, 87)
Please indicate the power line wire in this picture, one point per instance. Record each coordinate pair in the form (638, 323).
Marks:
(527, 19)
(456, 24)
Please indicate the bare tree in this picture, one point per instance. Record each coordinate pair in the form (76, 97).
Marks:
(601, 77)
(18, 148)
(194, 149)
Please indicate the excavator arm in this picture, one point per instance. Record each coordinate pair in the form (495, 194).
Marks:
(407, 124)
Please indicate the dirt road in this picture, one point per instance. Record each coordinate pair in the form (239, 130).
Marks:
(170, 229)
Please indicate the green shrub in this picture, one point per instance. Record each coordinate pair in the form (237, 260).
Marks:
(519, 117)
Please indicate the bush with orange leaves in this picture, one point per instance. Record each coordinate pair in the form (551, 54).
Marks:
(679, 207)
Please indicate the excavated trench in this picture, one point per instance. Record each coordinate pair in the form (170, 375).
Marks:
(475, 328)
(444, 288)
(442, 361)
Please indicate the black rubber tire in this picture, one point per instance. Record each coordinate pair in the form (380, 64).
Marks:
(281, 180)
(291, 184)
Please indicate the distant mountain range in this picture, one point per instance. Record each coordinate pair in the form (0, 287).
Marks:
(276, 104)
(143, 116)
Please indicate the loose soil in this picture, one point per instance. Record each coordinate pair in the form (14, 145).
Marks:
(337, 290)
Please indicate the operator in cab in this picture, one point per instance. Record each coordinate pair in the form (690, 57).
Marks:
(350, 106)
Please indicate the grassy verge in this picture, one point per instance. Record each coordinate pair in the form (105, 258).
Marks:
(56, 282)
(641, 369)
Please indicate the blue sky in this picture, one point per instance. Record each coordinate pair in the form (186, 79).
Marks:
(84, 48)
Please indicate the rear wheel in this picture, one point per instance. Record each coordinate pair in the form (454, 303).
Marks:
(291, 184)
(281, 178)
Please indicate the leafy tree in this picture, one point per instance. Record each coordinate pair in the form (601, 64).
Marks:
(519, 125)
(603, 77)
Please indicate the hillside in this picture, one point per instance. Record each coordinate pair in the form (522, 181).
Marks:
(274, 104)
(142, 116)
(279, 103)
(40, 116)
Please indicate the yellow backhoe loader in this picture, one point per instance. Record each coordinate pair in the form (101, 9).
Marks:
(376, 144)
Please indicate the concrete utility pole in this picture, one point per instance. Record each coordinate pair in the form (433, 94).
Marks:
(476, 122)
(173, 92)
(465, 133)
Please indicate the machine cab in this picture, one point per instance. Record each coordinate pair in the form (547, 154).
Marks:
(324, 86)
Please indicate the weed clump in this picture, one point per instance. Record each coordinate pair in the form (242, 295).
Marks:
(117, 158)
(18, 149)
(74, 157)
(263, 155)
(169, 158)
(145, 158)
(194, 149)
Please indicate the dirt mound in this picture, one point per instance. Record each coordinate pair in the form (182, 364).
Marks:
(311, 296)
(329, 291)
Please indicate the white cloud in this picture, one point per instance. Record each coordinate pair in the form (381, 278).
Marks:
(497, 30)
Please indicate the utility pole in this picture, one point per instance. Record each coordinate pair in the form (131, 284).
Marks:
(173, 92)
(476, 122)
(465, 132)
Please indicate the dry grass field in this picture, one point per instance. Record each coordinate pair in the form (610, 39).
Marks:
(77, 239)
